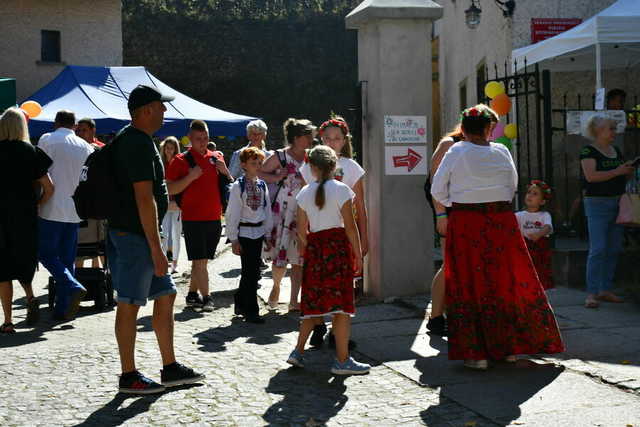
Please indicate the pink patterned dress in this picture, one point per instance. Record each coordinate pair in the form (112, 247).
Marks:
(282, 241)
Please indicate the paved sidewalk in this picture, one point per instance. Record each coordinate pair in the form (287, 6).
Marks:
(66, 374)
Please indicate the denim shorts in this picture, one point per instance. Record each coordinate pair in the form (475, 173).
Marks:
(131, 268)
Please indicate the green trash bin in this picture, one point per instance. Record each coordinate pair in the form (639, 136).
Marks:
(7, 93)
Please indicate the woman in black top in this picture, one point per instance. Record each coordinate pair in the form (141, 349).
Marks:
(605, 175)
(22, 167)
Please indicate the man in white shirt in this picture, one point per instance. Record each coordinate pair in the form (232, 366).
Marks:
(58, 222)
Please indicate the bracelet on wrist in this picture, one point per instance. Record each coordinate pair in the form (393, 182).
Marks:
(441, 215)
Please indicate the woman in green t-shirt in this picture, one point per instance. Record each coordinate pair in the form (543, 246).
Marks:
(605, 173)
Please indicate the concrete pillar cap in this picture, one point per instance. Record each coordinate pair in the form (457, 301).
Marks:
(370, 10)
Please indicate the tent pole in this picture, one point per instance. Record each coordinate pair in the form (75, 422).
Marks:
(598, 67)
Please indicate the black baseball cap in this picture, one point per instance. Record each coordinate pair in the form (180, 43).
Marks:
(143, 95)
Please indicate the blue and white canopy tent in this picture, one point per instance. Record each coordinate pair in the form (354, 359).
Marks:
(610, 39)
(101, 93)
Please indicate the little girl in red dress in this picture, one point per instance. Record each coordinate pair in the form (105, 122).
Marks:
(536, 227)
(328, 240)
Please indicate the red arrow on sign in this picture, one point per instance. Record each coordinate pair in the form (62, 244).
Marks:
(411, 160)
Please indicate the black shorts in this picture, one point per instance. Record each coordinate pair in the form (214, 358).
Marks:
(201, 238)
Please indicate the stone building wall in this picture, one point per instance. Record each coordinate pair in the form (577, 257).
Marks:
(90, 34)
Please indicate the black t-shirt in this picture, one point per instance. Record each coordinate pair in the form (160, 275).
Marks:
(136, 159)
(20, 164)
(613, 187)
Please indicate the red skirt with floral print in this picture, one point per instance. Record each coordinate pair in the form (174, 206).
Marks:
(495, 303)
(541, 255)
(327, 278)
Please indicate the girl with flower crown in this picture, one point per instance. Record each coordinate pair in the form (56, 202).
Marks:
(536, 227)
(335, 134)
(496, 306)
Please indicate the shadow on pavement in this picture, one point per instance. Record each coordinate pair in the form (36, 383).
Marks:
(112, 414)
(216, 339)
(309, 398)
(36, 333)
(496, 394)
(231, 274)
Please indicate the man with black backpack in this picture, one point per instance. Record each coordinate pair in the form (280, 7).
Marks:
(138, 264)
(198, 178)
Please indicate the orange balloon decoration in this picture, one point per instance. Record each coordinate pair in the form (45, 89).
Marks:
(501, 104)
(32, 108)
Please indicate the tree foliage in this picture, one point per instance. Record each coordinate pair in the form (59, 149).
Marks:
(268, 58)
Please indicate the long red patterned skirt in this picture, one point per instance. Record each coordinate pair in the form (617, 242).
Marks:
(327, 277)
(495, 303)
(541, 255)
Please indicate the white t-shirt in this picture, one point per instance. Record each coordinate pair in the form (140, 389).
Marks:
(68, 152)
(336, 194)
(532, 222)
(471, 173)
(347, 171)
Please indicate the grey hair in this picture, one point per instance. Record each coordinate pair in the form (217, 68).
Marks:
(596, 122)
(258, 126)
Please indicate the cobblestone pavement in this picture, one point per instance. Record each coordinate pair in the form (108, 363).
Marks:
(66, 374)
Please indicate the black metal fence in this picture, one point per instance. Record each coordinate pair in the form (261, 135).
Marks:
(530, 92)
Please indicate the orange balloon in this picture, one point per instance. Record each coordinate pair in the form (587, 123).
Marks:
(32, 108)
(501, 104)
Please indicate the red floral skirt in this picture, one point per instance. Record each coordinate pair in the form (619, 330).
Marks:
(495, 303)
(541, 254)
(327, 278)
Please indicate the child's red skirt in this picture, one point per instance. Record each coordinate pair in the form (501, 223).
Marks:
(541, 255)
(495, 303)
(327, 278)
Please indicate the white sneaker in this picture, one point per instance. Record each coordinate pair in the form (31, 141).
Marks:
(350, 367)
(479, 365)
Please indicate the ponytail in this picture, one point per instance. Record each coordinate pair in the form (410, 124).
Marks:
(320, 197)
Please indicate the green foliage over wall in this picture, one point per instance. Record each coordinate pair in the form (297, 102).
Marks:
(268, 58)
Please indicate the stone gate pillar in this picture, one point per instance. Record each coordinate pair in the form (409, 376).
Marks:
(394, 59)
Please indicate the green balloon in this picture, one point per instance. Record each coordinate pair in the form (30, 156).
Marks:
(505, 141)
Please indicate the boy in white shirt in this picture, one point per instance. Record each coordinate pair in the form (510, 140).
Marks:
(248, 218)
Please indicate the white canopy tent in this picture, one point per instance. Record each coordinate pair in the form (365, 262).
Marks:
(610, 39)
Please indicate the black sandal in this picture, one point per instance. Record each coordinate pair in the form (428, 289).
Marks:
(7, 328)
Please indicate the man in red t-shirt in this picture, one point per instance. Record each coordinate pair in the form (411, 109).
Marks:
(201, 207)
(86, 129)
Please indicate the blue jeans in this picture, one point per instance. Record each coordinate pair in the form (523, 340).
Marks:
(605, 242)
(132, 270)
(57, 246)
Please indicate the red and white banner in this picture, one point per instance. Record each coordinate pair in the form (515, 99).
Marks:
(544, 28)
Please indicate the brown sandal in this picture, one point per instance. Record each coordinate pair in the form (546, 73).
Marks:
(610, 298)
(7, 328)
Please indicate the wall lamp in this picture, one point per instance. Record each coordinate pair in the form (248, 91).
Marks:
(472, 15)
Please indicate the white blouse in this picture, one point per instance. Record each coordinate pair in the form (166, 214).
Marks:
(336, 195)
(239, 210)
(471, 173)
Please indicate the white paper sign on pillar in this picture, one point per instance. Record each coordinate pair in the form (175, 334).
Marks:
(405, 129)
(406, 160)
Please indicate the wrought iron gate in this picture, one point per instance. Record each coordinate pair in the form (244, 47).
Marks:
(530, 93)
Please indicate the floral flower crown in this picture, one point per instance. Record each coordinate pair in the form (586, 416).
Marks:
(334, 123)
(476, 112)
(544, 187)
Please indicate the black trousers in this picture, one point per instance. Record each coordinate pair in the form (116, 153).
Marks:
(246, 298)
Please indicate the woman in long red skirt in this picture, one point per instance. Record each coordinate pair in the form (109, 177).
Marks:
(496, 304)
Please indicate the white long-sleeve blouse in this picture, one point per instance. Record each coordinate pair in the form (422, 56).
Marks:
(471, 173)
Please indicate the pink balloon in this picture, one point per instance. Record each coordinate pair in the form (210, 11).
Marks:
(498, 131)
